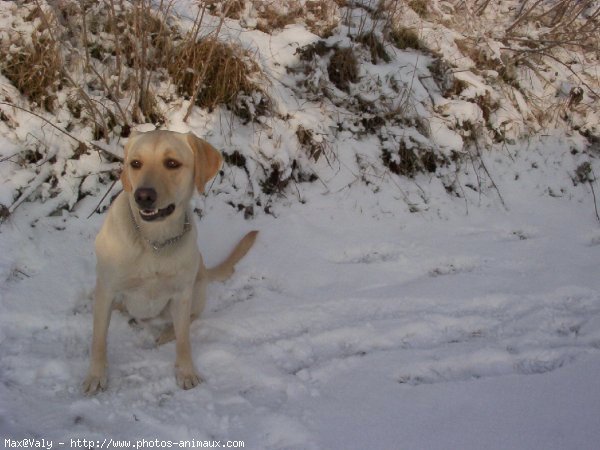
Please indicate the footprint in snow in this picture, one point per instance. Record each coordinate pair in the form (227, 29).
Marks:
(594, 240)
(456, 266)
(521, 234)
(378, 254)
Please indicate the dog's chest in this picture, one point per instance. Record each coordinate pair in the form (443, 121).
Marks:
(147, 291)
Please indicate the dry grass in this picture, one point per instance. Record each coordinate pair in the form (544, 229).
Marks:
(403, 38)
(569, 23)
(318, 15)
(276, 15)
(314, 148)
(125, 49)
(139, 33)
(34, 68)
(232, 9)
(275, 182)
(4, 213)
(375, 46)
(478, 53)
(559, 25)
(140, 43)
(310, 51)
(119, 46)
(420, 7)
(321, 17)
(343, 68)
(536, 38)
(408, 162)
(218, 70)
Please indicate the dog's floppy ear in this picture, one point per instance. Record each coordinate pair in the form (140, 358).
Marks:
(124, 175)
(207, 161)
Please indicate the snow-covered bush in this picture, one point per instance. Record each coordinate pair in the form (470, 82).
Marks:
(383, 90)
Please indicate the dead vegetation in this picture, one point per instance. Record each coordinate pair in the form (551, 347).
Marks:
(409, 161)
(318, 15)
(274, 16)
(275, 181)
(124, 53)
(321, 17)
(218, 71)
(315, 148)
(528, 45)
(563, 23)
(376, 47)
(113, 64)
(34, 68)
(126, 49)
(533, 34)
(420, 7)
(404, 37)
(343, 68)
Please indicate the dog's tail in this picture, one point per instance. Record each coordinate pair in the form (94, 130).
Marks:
(226, 268)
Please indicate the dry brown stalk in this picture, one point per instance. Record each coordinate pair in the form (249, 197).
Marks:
(201, 78)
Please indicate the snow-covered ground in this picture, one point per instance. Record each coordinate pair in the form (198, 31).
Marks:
(347, 326)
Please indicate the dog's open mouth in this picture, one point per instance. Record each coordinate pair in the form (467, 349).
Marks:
(153, 214)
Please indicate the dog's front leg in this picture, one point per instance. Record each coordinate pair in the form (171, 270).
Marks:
(96, 378)
(185, 372)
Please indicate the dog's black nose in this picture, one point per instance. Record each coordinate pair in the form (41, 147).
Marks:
(145, 197)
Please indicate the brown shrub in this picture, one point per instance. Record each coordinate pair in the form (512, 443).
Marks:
(275, 182)
(272, 17)
(343, 68)
(313, 147)
(34, 69)
(420, 7)
(219, 71)
(403, 37)
(375, 46)
(321, 17)
(408, 162)
(308, 52)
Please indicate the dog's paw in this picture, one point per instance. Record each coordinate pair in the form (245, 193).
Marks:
(187, 377)
(96, 380)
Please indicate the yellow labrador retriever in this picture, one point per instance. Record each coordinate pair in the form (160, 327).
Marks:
(148, 262)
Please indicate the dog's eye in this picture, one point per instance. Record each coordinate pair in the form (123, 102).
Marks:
(136, 164)
(172, 164)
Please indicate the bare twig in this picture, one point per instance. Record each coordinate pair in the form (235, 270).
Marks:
(79, 141)
(522, 16)
(591, 181)
(63, 71)
(595, 202)
(202, 76)
(102, 199)
(85, 32)
(111, 95)
(31, 188)
(526, 51)
(489, 174)
(118, 51)
(482, 8)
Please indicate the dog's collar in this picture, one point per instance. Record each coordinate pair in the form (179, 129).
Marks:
(158, 246)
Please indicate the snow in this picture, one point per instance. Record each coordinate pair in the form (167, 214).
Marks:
(514, 412)
(458, 308)
(345, 327)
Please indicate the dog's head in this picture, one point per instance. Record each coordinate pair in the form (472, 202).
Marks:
(161, 169)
